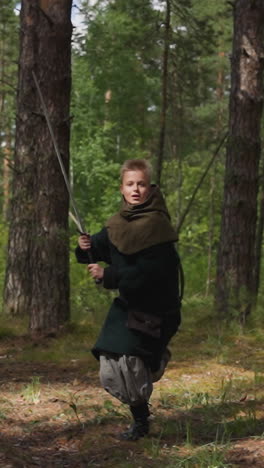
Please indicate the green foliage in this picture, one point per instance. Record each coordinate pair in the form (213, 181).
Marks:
(116, 55)
(3, 249)
(8, 56)
(96, 179)
(88, 300)
(9, 47)
(131, 33)
(117, 113)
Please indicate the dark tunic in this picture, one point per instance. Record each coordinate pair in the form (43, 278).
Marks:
(147, 281)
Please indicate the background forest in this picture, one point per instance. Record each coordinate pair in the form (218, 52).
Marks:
(148, 80)
(177, 82)
(118, 114)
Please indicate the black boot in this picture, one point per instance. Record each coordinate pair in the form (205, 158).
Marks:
(140, 428)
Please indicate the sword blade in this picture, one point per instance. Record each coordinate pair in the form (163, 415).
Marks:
(76, 222)
(79, 223)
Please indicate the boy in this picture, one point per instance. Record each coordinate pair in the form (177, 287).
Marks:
(138, 245)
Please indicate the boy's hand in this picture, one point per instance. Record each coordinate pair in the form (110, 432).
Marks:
(84, 242)
(96, 271)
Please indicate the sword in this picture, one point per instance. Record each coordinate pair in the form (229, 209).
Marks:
(77, 218)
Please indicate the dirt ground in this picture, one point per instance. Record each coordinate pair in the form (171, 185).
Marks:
(53, 415)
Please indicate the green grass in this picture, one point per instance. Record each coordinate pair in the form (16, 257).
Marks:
(72, 344)
(31, 392)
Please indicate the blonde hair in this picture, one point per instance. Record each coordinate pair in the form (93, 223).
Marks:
(136, 165)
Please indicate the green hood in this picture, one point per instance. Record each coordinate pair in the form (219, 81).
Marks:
(137, 227)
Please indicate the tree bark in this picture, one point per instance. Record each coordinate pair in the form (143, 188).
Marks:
(236, 254)
(6, 175)
(211, 229)
(164, 104)
(37, 275)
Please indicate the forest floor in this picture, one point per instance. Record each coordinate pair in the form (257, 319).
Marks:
(207, 410)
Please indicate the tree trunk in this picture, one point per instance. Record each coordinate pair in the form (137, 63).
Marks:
(6, 174)
(37, 276)
(236, 254)
(210, 234)
(164, 104)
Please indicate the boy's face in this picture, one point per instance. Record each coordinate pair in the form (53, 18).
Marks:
(135, 187)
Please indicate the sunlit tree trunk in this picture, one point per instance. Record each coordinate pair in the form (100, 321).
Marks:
(37, 276)
(236, 256)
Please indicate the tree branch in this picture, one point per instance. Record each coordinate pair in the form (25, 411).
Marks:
(187, 209)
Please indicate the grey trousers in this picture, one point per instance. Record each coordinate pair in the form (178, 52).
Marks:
(128, 379)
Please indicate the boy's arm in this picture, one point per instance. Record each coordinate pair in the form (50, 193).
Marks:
(99, 249)
(82, 256)
(99, 245)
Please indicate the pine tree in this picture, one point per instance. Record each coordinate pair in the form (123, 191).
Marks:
(37, 281)
(236, 257)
